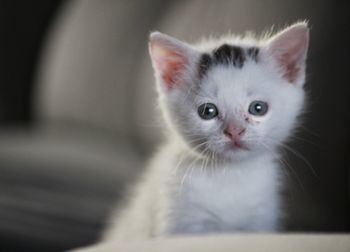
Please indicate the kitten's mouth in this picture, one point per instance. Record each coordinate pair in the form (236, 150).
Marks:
(237, 145)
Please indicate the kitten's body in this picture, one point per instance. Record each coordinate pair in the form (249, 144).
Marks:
(240, 196)
(218, 174)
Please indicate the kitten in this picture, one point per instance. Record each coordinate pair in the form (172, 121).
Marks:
(228, 104)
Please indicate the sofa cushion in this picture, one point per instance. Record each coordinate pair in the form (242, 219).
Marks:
(90, 60)
(60, 184)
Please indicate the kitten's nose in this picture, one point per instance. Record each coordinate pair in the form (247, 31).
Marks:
(234, 132)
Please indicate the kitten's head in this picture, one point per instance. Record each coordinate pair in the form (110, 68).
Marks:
(232, 97)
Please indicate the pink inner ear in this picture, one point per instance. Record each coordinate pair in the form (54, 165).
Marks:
(289, 49)
(170, 63)
(291, 60)
(291, 65)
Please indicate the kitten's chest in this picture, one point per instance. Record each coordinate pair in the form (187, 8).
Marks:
(236, 198)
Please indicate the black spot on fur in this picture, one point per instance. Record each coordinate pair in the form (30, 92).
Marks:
(223, 55)
(204, 64)
(253, 52)
(227, 55)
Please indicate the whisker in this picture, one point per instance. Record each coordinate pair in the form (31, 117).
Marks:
(304, 140)
(286, 165)
(301, 157)
(295, 153)
(191, 166)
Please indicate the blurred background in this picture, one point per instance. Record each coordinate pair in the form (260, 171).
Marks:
(77, 118)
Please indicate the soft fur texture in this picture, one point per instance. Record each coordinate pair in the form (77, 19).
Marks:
(221, 174)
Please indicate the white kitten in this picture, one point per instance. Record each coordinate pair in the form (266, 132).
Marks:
(228, 104)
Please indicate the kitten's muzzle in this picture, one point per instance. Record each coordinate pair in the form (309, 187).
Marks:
(235, 133)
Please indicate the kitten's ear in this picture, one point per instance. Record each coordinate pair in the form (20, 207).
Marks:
(171, 59)
(289, 48)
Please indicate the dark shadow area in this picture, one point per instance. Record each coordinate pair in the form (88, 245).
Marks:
(23, 26)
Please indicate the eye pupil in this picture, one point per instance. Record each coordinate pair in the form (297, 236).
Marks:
(207, 111)
(258, 108)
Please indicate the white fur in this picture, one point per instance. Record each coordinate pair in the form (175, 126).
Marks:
(188, 189)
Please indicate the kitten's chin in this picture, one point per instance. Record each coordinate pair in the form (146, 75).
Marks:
(230, 152)
(225, 151)
(235, 154)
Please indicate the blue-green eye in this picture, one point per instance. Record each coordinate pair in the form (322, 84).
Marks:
(258, 108)
(207, 111)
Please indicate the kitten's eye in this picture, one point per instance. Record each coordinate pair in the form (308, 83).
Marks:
(258, 108)
(207, 111)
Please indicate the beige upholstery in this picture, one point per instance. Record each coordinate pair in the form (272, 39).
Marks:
(237, 242)
(90, 62)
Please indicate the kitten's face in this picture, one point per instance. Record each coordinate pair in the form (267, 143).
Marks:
(232, 101)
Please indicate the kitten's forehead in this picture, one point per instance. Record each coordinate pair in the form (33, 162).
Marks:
(234, 88)
(228, 55)
(230, 69)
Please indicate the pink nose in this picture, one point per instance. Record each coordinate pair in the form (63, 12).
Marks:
(234, 132)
